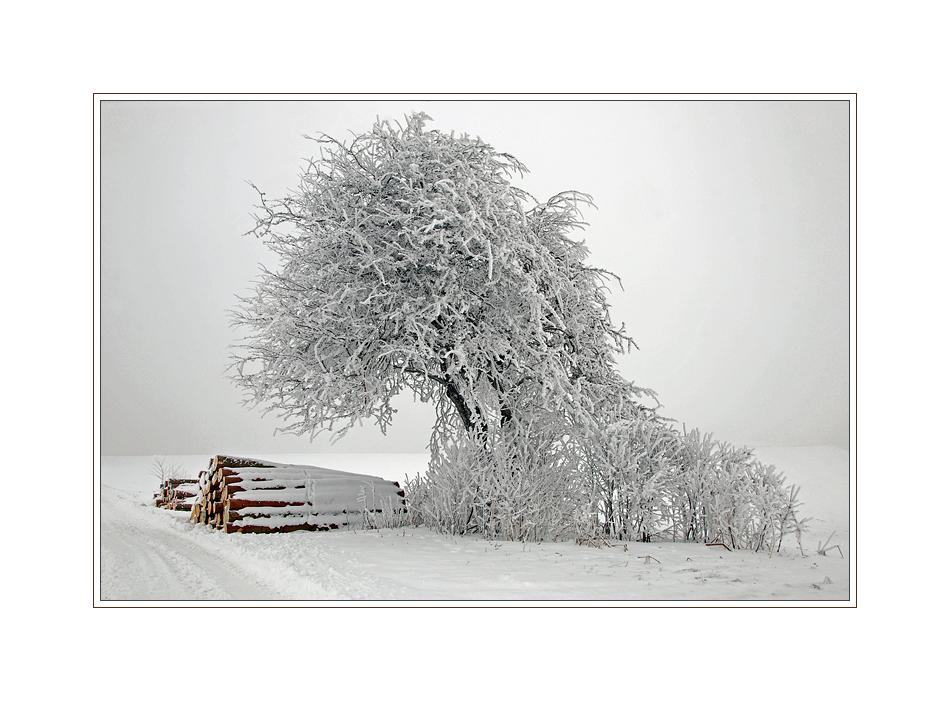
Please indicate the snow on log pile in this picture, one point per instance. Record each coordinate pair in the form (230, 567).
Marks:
(177, 494)
(241, 495)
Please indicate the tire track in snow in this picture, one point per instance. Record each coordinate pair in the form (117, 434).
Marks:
(136, 565)
(142, 562)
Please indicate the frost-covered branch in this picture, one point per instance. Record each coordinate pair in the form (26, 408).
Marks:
(409, 261)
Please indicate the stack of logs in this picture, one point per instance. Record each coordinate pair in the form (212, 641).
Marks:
(240, 495)
(177, 494)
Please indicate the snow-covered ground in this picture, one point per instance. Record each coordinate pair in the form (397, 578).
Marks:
(155, 555)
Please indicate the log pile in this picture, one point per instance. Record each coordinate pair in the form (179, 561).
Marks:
(240, 495)
(177, 494)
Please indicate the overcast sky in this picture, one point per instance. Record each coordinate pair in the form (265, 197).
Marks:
(726, 221)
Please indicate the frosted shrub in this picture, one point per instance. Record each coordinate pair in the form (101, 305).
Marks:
(519, 484)
(645, 480)
(530, 488)
(630, 476)
(444, 498)
(728, 496)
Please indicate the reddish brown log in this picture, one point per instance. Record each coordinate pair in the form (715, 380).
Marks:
(179, 507)
(241, 485)
(235, 504)
(234, 528)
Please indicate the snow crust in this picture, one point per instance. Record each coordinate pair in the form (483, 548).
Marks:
(155, 555)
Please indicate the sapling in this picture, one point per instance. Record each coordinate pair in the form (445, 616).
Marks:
(164, 471)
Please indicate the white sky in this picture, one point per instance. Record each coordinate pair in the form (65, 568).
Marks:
(727, 222)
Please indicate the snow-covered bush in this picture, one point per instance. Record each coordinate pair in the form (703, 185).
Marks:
(631, 475)
(652, 481)
(728, 496)
(520, 484)
(645, 480)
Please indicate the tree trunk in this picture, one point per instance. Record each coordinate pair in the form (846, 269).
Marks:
(475, 425)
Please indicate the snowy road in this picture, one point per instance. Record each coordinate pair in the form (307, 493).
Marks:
(142, 561)
(150, 554)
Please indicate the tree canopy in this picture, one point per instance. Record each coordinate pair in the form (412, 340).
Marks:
(408, 260)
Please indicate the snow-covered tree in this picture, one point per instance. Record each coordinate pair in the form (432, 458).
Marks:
(408, 261)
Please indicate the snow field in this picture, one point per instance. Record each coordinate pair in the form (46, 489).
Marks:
(156, 555)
